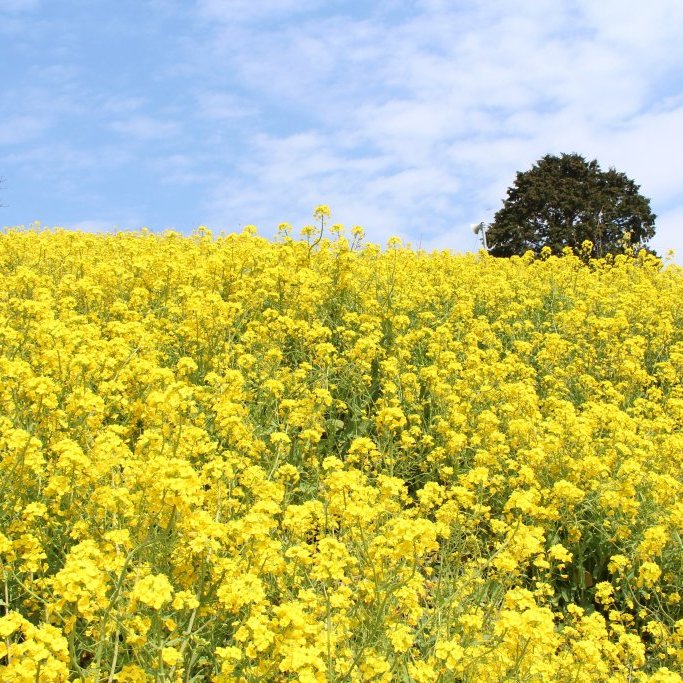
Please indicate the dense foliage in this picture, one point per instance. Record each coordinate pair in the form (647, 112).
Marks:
(237, 459)
(562, 202)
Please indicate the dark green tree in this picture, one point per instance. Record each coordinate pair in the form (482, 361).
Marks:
(563, 201)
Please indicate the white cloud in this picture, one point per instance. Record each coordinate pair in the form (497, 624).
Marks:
(145, 128)
(649, 149)
(182, 169)
(12, 6)
(233, 11)
(121, 105)
(435, 115)
(669, 233)
(648, 30)
(18, 130)
(409, 118)
(59, 160)
(219, 106)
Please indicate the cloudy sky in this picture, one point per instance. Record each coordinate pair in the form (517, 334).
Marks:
(408, 118)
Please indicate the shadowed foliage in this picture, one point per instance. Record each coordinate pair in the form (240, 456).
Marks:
(563, 201)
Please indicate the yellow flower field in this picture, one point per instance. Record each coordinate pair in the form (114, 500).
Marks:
(239, 459)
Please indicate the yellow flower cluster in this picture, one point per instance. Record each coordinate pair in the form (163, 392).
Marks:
(240, 459)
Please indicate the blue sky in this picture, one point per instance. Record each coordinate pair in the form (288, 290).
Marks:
(408, 118)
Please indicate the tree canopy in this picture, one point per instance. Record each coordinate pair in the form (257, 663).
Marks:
(563, 201)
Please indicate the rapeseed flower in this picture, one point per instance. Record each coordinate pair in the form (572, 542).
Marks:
(233, 459)
(154, 591)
